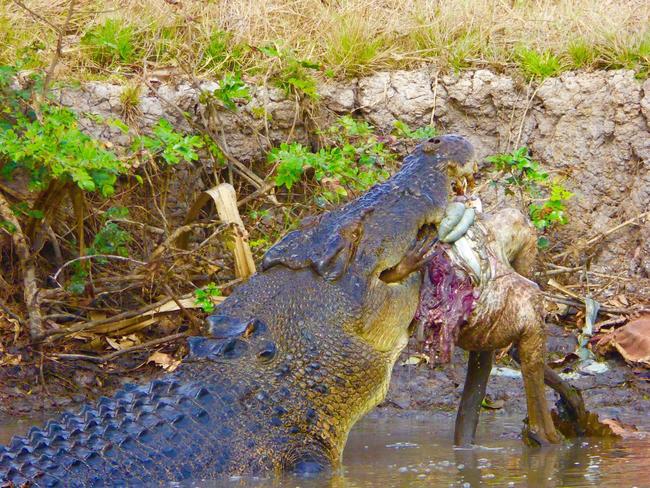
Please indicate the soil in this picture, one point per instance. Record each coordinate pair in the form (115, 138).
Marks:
(621, 392)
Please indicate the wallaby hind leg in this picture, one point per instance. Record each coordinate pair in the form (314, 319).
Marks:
(478, 372)
(570, 397)
(540, 429)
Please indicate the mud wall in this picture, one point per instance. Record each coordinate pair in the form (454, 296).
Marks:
(591, 128)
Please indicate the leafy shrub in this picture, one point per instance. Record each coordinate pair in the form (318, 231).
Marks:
(403, 130)
(546, 200)
(231, 88)
(50, 146)
(170, 146)
(354, 162)
(293, 75)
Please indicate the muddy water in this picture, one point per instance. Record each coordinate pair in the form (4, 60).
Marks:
(416, 451)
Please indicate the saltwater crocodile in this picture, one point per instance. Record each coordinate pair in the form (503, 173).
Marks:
(295, 357)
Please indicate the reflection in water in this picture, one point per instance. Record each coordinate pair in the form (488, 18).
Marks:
(390, 451)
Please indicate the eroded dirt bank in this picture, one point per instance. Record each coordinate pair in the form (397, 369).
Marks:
(588, 128)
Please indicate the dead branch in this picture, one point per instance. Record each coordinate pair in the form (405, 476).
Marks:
(57, 333)
(91, 256)
(113, 355)
(579, 303)
(28, 267)
(188, 316)
(602, 236)
(174, 236)
(59, 47)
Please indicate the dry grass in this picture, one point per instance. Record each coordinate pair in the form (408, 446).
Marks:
(346, 37)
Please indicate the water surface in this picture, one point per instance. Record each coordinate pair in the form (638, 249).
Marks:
(416, 451)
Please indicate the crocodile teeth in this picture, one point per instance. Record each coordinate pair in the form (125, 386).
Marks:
(467, 254)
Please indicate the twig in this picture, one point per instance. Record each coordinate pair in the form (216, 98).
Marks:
(37, 16)
(523, 116)
(168, 243)
(56, 333)
(599, 237)
(90, 256)
(113, 355)
(17, 318)
(144, 345)
(257, 193)
(579, 303)
(150, 228)
(59, 47)
(40, 370)
(605, 323)
(188, 316)
(435, 99)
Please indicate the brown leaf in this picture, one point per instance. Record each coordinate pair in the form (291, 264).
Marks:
(10, 359)
(632, 341)
(166, 361)
(620, 428)
(592, 426)
(124, 343)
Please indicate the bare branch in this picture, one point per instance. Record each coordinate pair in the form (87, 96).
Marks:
(59, 47)
(28, 268)
(90, 256)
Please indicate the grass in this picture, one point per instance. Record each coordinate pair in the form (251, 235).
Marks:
(109, 38)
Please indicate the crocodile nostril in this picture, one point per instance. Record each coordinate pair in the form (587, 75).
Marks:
(435, 140)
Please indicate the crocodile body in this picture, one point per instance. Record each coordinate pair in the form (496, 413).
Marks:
(294, 358)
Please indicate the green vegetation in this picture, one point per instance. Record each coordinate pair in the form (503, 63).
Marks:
(537, 65)
(168, 145)
(111, 43)
(290, 43)
(203, 297)
(290, 73)
(546, 199)
(354, 161)
(45, 141)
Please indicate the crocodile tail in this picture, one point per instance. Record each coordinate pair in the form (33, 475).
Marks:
(143, 433)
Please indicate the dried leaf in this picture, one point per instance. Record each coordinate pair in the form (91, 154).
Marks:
(593, 427)
(164, 360)
(632, 341)
(416, 359)
(563, 361)
(620, 428)
(124, 343)
(10, 359)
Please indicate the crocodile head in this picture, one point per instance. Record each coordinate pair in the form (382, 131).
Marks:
(360, 245)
